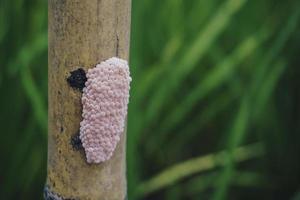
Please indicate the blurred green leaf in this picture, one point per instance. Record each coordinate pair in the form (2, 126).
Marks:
(214, 78)
(28, 53)
(241, 179)
(238, 132)
(179, 171)
(35, 98)
(243, 117)
(186, 64)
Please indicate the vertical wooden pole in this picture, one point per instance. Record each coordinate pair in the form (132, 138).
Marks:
(81, 34)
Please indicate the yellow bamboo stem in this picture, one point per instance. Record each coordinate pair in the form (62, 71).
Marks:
(82, 33)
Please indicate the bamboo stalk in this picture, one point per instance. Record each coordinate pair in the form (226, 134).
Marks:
(82, 33)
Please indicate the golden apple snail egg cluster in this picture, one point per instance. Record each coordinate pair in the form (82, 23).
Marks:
(104, 99)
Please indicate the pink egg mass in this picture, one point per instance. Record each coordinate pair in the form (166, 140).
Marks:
(104, 99)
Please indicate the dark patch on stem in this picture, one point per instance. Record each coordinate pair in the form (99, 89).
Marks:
(117, 48)
(50, 195)
(76, 142)
(77, 79)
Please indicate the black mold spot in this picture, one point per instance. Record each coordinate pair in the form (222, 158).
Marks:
(76, 142)
(61, 129)
(77, 79)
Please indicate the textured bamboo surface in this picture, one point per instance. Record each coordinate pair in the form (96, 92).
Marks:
(82, 33)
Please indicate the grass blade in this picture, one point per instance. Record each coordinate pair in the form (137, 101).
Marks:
(179, 171)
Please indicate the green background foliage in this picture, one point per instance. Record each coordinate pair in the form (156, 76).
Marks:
(214, 110)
